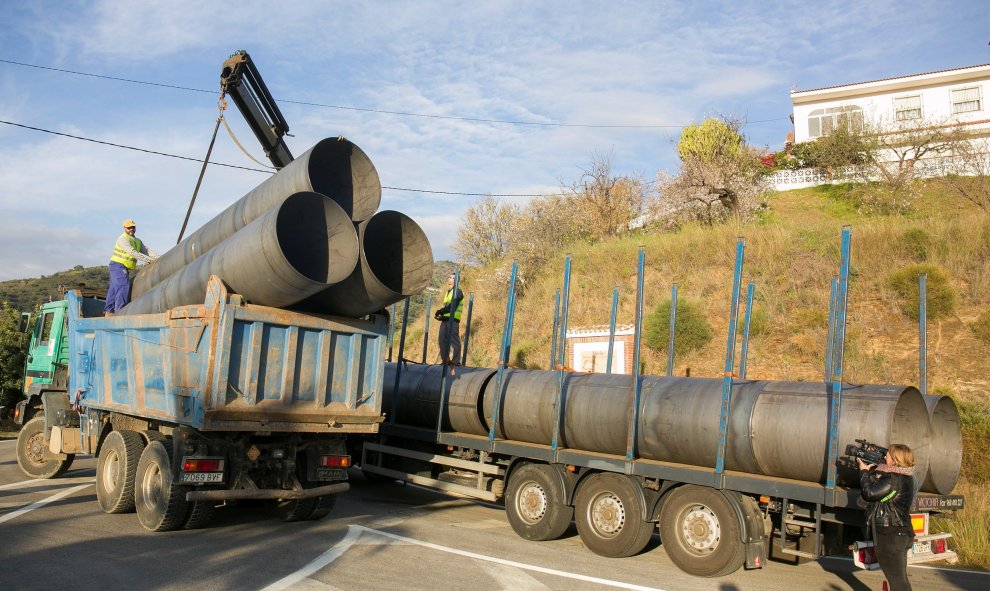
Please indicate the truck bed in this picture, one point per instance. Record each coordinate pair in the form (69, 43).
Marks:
(227, 365)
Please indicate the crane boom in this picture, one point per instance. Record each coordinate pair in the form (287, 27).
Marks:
(240, 79)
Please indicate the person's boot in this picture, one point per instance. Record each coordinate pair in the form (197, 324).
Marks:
(107, 314)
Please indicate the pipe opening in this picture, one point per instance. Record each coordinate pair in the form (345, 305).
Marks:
(342, 171)
(946, 453)
(316, 237)
(398, 252)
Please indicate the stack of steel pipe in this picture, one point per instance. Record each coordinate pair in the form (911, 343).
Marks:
(308, 238)
(776, 428)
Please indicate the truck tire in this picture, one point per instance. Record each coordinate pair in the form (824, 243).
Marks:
(115, 469)
(534, 503)
(323, 507)
(33, 456)
(292, 509)
(200, 513)
(700, 532)
(608, 513)
(160, 503)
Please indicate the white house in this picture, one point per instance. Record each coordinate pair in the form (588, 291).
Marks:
(946, 96)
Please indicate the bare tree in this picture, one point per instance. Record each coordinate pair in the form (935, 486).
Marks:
(892, 149)
(971, 179)
(607, 203)
(542, 230)
(483, 236)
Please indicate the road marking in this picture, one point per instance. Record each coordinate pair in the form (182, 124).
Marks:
(353, 533)
(43, 502)
(16, 484)
(48, 481)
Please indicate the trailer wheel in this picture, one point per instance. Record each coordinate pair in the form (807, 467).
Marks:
(200, 513)
(33, 456)
(608, 517)
(700, 532)
(160, 503)
(534, 503)
(115, 470)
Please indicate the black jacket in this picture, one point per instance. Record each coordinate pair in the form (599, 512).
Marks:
(890, 495)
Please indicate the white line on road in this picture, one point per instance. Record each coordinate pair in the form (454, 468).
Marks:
(43, 502)
(21, 483)
(353, 533)
(56, 482)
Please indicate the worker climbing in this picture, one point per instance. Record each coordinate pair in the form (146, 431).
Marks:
(127, 251)
(450, 337)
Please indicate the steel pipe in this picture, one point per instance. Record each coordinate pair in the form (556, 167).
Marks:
(334, 167)
(774, 428)
(293, 251)
(396, 261)
(419, 396)
(946, 452)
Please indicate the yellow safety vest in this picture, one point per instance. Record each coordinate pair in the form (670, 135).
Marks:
(460, 306)
(119, 256)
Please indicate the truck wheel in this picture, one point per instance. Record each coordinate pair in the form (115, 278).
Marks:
(608, 516)
(200, 513)
(33, 456)
(160, 503)
(700, 532)
(293, 509)
(115, 469)
(323, 507)
(534, 503)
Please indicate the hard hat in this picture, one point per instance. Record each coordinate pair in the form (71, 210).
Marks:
(129, 223)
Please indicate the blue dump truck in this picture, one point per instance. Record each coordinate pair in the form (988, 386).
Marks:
(201, 404)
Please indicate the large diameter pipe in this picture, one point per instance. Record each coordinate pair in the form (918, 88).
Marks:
(334, 167)
(396, 261)
(775, 428)
(419, 396)
(295, 250)
(946, 452)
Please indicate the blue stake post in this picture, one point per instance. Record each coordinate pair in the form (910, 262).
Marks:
(426, 324)
(391, 330)
(638, 339)
(467, 330)
(833, 305)
(400, 361)
(611, 330)
(503, 360)
(562, 353)
(672, 335)
(750, 291)
(842, 300)
(553, 333)
(730, 359)
(923, 333)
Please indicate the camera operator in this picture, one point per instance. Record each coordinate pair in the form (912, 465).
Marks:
(890, 489)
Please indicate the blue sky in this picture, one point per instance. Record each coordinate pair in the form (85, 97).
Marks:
(649, 67)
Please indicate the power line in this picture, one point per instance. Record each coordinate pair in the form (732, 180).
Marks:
(369, 110)
(158, 153)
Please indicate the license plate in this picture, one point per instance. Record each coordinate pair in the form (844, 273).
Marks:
(922, 547)
(330, 474)
(202, 477)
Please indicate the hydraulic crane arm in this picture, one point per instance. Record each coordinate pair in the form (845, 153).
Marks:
(240, 79)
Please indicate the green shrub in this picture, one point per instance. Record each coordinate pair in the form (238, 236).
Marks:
(691, 333)
(760, 324)
(916, 243)
(941, 296)
(974, 419)
(981, 328)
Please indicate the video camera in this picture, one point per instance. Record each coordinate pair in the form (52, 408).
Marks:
(870, 453)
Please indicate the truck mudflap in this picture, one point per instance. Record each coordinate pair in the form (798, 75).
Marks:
(263, 494)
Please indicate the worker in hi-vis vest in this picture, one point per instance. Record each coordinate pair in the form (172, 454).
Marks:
(450, 335)
(127, 251)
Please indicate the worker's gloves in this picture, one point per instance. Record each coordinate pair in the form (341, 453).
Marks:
(438, 315)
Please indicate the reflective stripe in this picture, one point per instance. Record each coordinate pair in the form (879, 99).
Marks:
(122, 257)
(460, 306)
(892, 494)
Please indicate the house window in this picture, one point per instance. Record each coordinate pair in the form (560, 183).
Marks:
(965, 100)
(907, 107)
(822, 122)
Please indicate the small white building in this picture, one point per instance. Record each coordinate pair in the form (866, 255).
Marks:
(587, 349)
(946, 96)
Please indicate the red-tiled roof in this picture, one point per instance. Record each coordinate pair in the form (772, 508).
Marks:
(888, 79)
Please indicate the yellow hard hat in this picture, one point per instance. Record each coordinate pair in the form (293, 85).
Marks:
(129, 223)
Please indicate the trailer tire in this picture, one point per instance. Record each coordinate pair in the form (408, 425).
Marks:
(161, 504)
(700, 532)
(608, 513)
(33, 456)
(200, 513)
(534, 503)
(115, 470)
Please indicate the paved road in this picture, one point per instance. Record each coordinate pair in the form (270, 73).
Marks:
(380, 536)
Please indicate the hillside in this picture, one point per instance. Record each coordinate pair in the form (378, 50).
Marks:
(25, 294)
